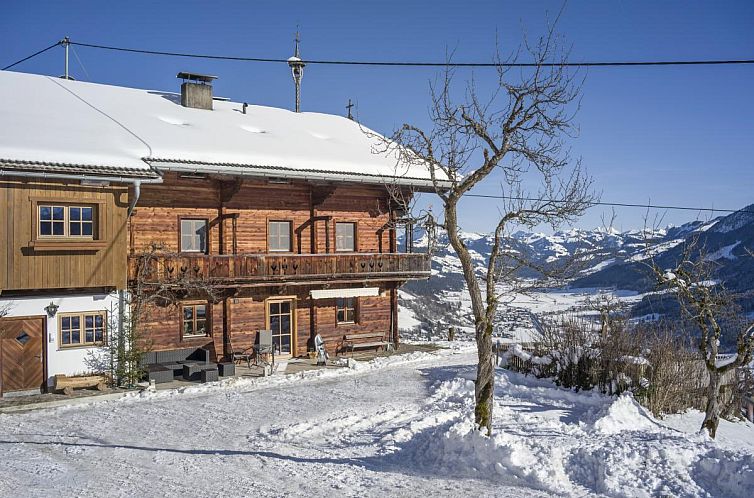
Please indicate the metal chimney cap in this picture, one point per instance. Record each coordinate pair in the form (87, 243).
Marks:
(204, 78)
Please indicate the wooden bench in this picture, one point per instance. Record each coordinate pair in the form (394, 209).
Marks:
(373, 340)
(68, 384)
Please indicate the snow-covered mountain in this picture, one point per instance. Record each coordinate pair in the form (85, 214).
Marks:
(599, 258)
(726, 240)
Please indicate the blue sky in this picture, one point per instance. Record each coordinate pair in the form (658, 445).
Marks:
(669, 135)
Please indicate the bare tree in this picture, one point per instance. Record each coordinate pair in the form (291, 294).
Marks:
(515, 135)
(610, 308)
(708, 305)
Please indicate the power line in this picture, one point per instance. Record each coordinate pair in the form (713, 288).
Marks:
(400, 63)
(423, 64)
(443, 64)
(613, 204)
(32, 55)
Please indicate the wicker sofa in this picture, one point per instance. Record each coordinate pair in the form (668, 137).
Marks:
(188, 363)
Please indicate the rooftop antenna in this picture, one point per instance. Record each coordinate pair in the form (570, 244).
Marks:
(349, 106)
(66, 42)
(297, 70)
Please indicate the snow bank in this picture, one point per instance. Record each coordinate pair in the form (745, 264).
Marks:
(562, 442)
(625, 414)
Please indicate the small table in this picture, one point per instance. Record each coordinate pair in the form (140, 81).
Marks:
(191, 371)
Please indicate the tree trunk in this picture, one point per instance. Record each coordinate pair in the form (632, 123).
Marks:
(485, 378)
(712, 412)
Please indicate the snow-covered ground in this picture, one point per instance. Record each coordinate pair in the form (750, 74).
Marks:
(516, 315)
(399, 426)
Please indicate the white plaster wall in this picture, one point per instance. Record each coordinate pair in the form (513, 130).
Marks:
(65, 361)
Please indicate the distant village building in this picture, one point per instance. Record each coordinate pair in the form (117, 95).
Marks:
(284, 216)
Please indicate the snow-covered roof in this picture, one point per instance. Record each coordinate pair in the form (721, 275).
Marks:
(52, 123)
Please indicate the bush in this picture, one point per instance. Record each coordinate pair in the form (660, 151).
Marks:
(654, 362)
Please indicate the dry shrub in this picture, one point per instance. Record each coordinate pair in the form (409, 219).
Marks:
(654, 362)
(621, 364)
(673, 374)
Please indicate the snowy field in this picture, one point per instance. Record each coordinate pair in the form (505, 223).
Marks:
(514, 319)
(398, 426)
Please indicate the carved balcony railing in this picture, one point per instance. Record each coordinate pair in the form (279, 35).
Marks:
(262, 269)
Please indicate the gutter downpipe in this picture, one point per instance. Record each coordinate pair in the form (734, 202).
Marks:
(137, 194)
(122, 292)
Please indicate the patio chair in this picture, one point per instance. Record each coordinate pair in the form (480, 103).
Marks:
(239, 355)
(264, 346)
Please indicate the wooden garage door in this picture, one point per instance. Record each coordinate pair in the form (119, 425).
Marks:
(21, 355)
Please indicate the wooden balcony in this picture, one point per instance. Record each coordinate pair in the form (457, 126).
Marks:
(268, 269)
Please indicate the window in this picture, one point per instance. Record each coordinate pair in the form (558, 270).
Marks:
(345, 310)
(194, 320)
(281, 324)
(345, 236)
(65, 221)
(80, 221)
(279, 236)
(194, 236)
(82, 329)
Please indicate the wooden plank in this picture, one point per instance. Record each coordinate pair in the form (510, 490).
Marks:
(252, 205)
(6, 242)
(63, 382)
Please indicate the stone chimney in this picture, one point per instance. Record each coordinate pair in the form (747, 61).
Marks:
(196, 90)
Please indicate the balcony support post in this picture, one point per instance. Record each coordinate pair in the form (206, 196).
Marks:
(394, 318)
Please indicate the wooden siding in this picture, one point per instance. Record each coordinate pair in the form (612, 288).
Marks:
(246, 315)
(253, 204)
(372, 315)
(249, 206)
(161, 328)
(25, 267)
(358, 205)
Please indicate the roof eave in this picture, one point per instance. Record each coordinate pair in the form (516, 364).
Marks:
(48, 169)
(256, 171)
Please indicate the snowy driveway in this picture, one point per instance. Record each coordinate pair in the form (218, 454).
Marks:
(389, 429)
(313, 437)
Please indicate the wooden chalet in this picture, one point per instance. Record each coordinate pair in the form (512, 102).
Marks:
(296, 257)
(249, 218)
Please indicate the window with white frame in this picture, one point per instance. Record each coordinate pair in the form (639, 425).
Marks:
(345, 236)
(279, 236)
(65, 221)
(82, 329)
(194, 235)
(345, 310)
(194, 320)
